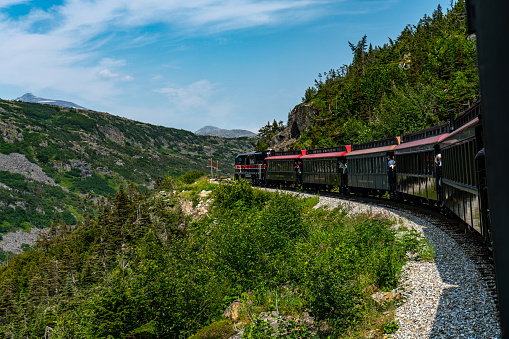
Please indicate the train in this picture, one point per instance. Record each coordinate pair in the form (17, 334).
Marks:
(442, 167)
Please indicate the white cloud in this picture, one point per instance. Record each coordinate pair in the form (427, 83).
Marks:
(195, 95)
(200, 102)
(8, 3)
(110, 62)
(106, 74)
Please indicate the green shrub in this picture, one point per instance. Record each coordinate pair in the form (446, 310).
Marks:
(390, 327)
(191, 177)
(217, 330)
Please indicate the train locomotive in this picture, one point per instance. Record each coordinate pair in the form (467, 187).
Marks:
(442, 166)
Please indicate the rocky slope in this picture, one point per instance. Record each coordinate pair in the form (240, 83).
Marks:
(299, 120)
(29, 97)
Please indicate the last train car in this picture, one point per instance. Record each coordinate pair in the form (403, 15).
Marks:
(284, 168)
(251, 166)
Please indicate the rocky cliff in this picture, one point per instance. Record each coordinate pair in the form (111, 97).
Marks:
(300, 119)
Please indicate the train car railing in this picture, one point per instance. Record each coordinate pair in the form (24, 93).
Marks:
(280, 153)
(327, 150)
(426, 133)
(468, 115)
(375, 144)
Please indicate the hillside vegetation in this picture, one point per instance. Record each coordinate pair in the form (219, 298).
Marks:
(137, 267)
(69, 153)
(408, 84)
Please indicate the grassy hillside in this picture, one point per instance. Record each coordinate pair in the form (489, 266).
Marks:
(86, 152)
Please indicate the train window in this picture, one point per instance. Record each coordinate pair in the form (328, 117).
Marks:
(469, 164)
(475, 168)
(471, 157)
(453, 152)
(468, 160)
(445, 162)
(429, 157)
(464, 163)
(473, 181)
(457, 159)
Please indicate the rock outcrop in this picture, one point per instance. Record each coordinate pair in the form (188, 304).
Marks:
(300, 119)
(18, 163)
(12, 241)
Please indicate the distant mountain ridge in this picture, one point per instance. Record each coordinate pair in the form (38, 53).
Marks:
(29, 97)
(224, 133)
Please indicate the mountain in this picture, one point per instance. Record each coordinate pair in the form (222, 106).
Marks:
(29, 97)
(224, 133)
(51, 157)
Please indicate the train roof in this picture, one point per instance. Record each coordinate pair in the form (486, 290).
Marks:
(280, 157)
(375, 144)
(462, 128)
(254, 153)
(294, 154)
(426, 133)
(468, 115)
(324, 155)
(419, 145)
(372, 150)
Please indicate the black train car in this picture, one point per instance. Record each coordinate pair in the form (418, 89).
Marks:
(367, 166)
(415, 164)
(462, 174)
(251, 166)
(282, 169)
(322, 167)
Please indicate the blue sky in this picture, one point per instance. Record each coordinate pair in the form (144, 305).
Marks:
(188, 63)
